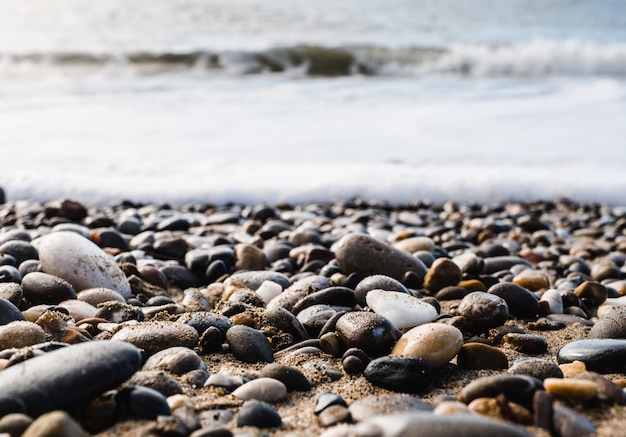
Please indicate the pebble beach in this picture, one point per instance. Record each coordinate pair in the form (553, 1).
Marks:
(346, 318)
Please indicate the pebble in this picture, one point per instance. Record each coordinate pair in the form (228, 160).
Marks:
(12, 292)
(450, 425)
(372, 333)
(478, 356)
(612, 324)
(599, 355)
(402, 310)
(483, 311)
(553, 300)
(259, 414)
(96, 296)
(138, 402)
(68, 377)
(536, 367)
(399, 373)
(442, 273)
(360, 253)
(249, 345)
(333, 415)
(533, 280)
(262, 389)
(20, 250)
(517, 388)
(79, 310)
(9, 312)
(43, 288)
(415, 244)
(20, 334)
(499, 408)
(376, 282)
(504, 262)
(593, 292)
(568, 423)
(293, 378)
(177, 360)
(55, 424)
(333, 296)
(435, 343)
(80, 262)
(326, 399)
(385, 404)
(153, 337)
(157, 380)
(521, 302)
(525, 343)
(573, 390)
(15, 424)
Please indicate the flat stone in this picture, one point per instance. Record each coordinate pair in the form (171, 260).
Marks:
(398, 373)
(262, 389)
(479, 356)
(96, 296)
(66, 377)
(435, 343)
(599, 355)
(572, 390)
(360, 253)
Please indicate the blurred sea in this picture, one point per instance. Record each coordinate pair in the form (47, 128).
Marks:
(290, 100)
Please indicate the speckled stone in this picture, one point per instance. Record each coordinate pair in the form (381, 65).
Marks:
(402, 310)
(384, 404)
(20, 334)
(96, 296)
(536, 367)
(177, 360)
(153, 337)
(612, 324)
(55, 424)
(45, 288)
(483, 311)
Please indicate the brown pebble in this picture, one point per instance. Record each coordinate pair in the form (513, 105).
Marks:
(479, 356)
(574, 390)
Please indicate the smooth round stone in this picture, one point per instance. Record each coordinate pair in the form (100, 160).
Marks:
(553, 300)
(96, 296)
(15, 424)
(203, 320)
(20, 334)
(452, 293)
(249, 345)
(442, 273)
(334, 296)
(326, 399)
(517, 388)
(157, 380)
(525, 343)
(365, 408)
(249, 257)
(296, 292)
(46, 288)
(533, 280)
(360, 253)
(12, 292)
(78, 309)
(139, 402)
(414, 244)
(55, 424)
(285, 321)
(293, 378)
(573, 390)
(536, 367)
(599, 355)
(592, 291)
(67, 377)
(254, 279)
(372, 333)
(153, 337)
(227, 382)
(259, 414)
(483, 311)
(333, 415)
(612, 324)
(80, 262)
(521, 302)
(398, 373)
(20, 250)
(435, 343)
(402, 310)
(376, 282)
(262, 389)
(177, 360)
(479, 356)
(9, 312)
(608, 391)
(9, 274)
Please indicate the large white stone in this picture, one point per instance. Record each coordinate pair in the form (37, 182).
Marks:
(80, 262)
(403, 310)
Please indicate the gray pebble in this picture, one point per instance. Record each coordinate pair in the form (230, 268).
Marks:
(249, 345)
(43, 288)
(157, 380)
(521, 302)
(9, 312)
(365, 408)
(536, 367)
(258, 414)
(483, 310)
(370, 332)
(176, 360)
(293, 378)
(612, 324)
(398, 373)
(153, 337)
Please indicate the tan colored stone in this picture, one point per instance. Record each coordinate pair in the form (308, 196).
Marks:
(575, 390)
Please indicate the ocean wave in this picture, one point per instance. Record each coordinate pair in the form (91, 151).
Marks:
(538, 58)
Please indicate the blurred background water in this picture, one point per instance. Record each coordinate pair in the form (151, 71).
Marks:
(249, 100)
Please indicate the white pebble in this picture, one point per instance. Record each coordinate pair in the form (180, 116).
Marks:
(262, 389)
(268, 290)
(403, 310)
(554, 300)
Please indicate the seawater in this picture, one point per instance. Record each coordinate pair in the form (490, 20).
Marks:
(248, 101)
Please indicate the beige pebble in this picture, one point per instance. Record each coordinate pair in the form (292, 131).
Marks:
(262, 389)
(54, 424)
(79, 309)
(573, 369)
(576, 390)
(451, 407)
(20, 333)
(501, 409)
(179, 401)
(435, 343)
(533, 280)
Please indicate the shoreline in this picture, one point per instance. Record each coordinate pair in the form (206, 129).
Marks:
(184, 261)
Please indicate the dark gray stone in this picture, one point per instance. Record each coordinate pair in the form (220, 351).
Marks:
(258, 414)
(522, 303)
(517, 388)
(399, 373)
(43, 288)
(249, 345)
(599, 355)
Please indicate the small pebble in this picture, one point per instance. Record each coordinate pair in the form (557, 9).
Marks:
(249, 345)
(262, 389)
(54, 424)
(293, 378)
(483, 310)
(478, 356)
(525, 343)
(370, 332)
(435, 343)
(536, 367)
(153, 337)
(598, 355)
(402, 310)
(258, 414)
(400, 374)
(573, 390)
